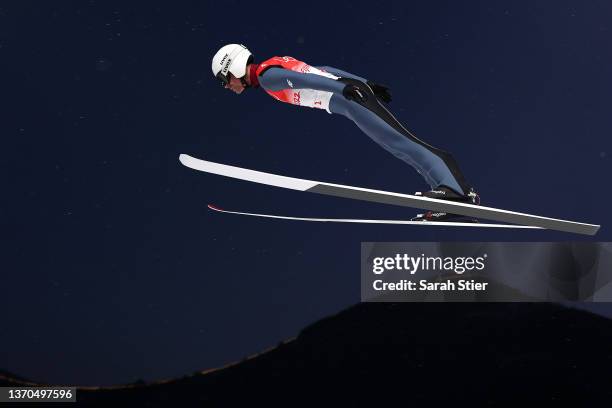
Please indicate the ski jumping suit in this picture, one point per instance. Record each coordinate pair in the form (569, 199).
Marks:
(298, 83)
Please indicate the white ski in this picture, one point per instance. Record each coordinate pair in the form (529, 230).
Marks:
(387, 197)
(371, 221)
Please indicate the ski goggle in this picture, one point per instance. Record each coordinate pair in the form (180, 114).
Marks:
(224, 79)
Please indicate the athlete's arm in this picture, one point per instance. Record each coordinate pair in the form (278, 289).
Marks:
(276, 78)
(341, 73)
(382, 91)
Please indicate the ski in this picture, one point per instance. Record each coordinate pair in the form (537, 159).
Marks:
(373, 221)
(387, 197)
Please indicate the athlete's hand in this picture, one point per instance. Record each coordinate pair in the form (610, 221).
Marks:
(353, 93)
(381, 91)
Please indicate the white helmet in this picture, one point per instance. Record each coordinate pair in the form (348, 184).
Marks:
(231, 58)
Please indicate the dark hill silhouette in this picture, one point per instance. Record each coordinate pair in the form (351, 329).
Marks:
(7, 377)
(412, 354)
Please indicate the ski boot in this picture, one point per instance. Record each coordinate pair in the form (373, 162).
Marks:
(445, 193)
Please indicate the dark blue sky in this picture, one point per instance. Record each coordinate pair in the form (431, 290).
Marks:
(112, 267)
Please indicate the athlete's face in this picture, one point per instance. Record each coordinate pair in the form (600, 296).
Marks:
(235, 85)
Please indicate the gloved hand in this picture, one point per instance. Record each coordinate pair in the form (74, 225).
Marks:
(381, 91)
(354, 90)
(353, 93)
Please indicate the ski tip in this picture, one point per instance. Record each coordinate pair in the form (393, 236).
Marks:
(214, 208)
(185, 158)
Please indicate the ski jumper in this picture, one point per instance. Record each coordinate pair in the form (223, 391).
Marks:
(295, 82)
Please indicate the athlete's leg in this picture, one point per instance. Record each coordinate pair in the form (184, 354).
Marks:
(436, 166)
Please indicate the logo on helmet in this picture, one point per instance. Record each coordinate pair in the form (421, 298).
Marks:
(226, 67)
